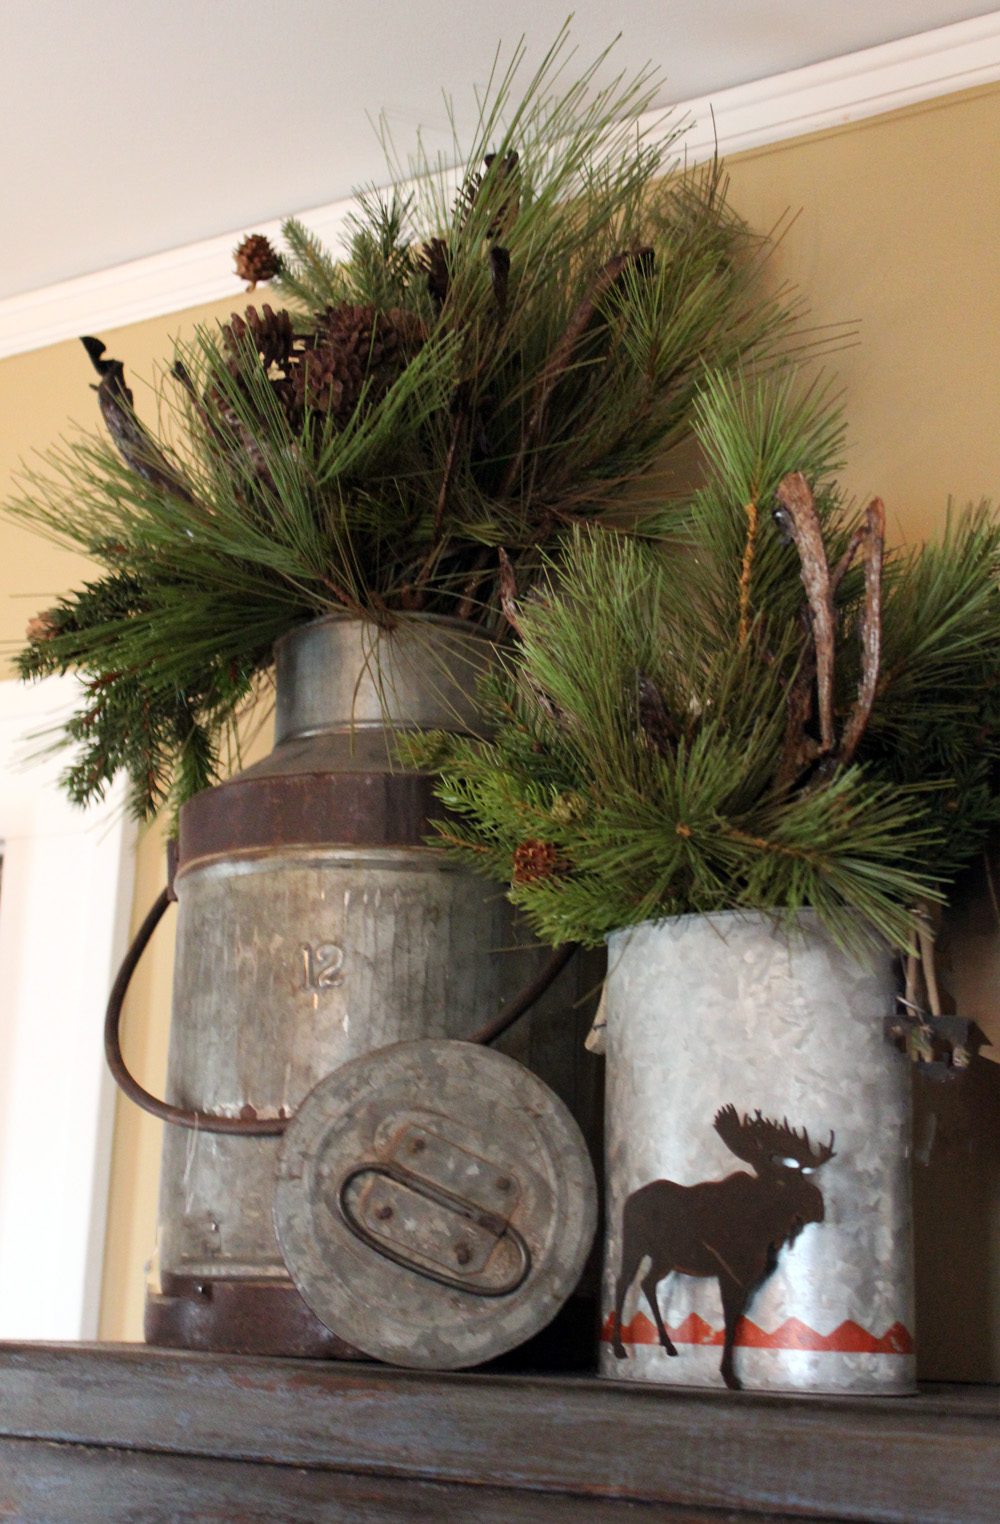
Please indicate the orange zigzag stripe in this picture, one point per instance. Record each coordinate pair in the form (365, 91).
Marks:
(849, 1339)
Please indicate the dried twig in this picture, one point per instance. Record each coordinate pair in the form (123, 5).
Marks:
(871, 633)
(136, 446)
(798, 512)
(467, 606)
(798, 749)
(499, 262)
(925, 938)
(751, 513)
(413, 596)
(381, 614)
(449, 471)
(508, 591)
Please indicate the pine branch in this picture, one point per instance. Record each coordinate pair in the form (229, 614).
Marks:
(374, 447)
(308, 274)
(651, 751)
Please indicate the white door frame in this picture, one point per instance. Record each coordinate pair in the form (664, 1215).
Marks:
(65, 901)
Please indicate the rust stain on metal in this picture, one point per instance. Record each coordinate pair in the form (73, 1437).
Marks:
(307, 809)
(241, 1317)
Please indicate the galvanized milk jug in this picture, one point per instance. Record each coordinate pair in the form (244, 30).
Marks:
(758, 1137)
(314, 926)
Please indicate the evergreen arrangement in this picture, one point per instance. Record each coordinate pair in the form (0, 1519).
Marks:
(489, 365)
(775, 713)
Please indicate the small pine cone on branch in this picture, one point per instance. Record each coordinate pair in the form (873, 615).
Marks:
(505, 199)
(42, 627)
(535, 860)
(568, 808)
(256, 260)
(434, 260)
(269, 331)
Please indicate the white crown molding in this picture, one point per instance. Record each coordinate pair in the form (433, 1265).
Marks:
(829, 94)
(842, 90)
(143, 288)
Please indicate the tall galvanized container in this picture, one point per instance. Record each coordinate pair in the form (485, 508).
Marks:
(712, 1012)
(314, 925)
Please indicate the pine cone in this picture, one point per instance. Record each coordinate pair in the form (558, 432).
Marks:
(505, 195)
(352, 346)
(534, 860)
(266, 339)
(323, 371)
(434, 260)
(568, 808)
(270, 332)
(42, 627)
(256, 260)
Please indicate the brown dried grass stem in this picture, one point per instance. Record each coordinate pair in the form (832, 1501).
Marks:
(747, 569)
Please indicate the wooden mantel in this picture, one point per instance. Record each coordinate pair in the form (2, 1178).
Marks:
(114, 1433)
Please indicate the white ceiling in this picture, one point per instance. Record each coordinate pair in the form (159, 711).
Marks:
(129, 127)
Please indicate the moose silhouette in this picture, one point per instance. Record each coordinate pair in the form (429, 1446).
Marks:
(731, 1229)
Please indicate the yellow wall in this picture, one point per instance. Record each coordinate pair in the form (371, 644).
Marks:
(896, 232)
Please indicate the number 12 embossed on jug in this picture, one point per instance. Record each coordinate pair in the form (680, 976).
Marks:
(322, 966)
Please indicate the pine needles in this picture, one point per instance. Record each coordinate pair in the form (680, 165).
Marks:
(493, 363)
(639, 761)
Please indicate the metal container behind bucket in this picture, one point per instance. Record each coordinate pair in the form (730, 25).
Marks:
(314, 925)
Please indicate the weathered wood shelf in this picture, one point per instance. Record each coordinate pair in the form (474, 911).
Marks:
(114, 1433)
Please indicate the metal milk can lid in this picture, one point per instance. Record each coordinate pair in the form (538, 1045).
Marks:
(434, 1202)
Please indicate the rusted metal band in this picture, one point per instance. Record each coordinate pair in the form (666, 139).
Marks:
(239, 1315)
(309, 809)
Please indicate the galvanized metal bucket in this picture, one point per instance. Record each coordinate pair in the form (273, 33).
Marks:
(314, 926)
(728, 1037)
